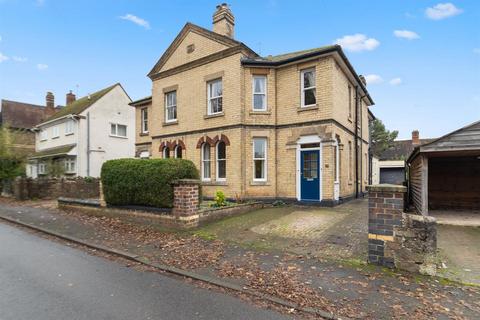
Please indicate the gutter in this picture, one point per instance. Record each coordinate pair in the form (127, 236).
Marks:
(336, 48)
(71, 116)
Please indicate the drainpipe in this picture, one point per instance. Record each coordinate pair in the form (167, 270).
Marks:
(88, 144)
(356, 140)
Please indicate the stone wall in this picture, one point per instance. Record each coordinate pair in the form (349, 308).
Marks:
(397, 239)
(53, 188)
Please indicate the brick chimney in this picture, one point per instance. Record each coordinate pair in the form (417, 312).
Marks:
(70, 98)
(223, 20)
(415, 137)
(49, 104)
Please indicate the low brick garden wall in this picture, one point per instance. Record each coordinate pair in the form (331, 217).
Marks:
(185, 214)
(397, 239)
(53, 188)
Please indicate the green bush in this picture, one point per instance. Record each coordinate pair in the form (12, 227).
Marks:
(145, 182)
(219, 199)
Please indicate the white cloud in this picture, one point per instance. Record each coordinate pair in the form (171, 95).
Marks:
(406, 34)
(42, 66)
(476, 50)
(19, 59)
(358, 42)
(373, 79)
(396, 81)
(138, 21)
(442, 11)
(3, 57)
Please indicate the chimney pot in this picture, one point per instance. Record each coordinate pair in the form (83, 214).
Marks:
(70, 98)
(223, 20)
(415, 137)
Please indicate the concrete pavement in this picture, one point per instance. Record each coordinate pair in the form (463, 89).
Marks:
(42, 279)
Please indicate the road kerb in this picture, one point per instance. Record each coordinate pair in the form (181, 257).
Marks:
(179, 272)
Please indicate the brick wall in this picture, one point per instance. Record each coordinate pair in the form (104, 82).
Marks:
(397, 239)
(53, 188)
(186, 202)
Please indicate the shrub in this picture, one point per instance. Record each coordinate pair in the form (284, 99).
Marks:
(144, 182)
(219, 199)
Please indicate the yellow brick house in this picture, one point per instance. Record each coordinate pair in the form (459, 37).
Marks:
(291, 127)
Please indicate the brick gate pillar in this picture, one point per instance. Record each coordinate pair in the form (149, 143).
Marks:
(186, 202)
(385, 209)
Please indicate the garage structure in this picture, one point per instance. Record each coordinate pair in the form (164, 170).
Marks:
(445, 173)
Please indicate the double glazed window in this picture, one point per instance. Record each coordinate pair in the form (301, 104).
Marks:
(171, 106)
(215, 96)
(206, 170)
(308, 85)
(259, 93)
(260, 159)
(70, 165)
(43, 135)
(144, 120)
(55, 132)
(118, 130)
(69, 127)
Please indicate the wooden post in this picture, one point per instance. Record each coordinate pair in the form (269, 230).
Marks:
(424, 185)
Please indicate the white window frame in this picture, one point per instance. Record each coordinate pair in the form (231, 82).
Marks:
(264, 107)
(210, 97)
(218, 162)
(115, 134)
(69, 127)
(302, 89)
(55, 132)
(43, 135)
(166, 152)
(204, 145)
(175, 151)
(265, 159)
(336, 149)
(173, 106)
(42, 168)
(69, 163)
(144, 120)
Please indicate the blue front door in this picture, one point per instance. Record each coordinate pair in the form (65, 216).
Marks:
(310, 175)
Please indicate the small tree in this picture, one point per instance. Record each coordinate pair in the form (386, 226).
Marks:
(55, 168)
(381, 138)
(11, 164)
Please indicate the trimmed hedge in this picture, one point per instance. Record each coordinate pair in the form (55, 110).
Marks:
(144, 182)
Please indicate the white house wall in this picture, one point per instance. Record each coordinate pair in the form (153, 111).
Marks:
(111, 108)
(62, 140)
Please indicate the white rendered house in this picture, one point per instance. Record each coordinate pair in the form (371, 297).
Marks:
(80, 137)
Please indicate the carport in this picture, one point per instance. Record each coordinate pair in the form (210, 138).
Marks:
(444, 175)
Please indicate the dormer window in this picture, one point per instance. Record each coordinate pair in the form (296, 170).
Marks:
(308, 86)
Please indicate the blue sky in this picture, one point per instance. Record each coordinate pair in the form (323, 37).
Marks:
(422, 57)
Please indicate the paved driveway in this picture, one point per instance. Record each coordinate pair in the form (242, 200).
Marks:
(337, 233)
(459, 248)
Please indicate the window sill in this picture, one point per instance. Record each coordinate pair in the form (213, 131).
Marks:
(214, 183)
(308, 108)
(259, 183)
(69, 134)
(350, 119)
(258, 112)
(120, 137)
(169, 123)
(55, 137)
(143, 134)
(215, 115)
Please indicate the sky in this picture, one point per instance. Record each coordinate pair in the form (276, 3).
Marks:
(421, 58)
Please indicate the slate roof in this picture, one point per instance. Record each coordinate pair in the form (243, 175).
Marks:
(401, 149)
(295, 54)
(51, 152)
(20, 115)
(142, 101)
(80, 105)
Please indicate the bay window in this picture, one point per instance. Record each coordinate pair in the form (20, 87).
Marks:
(206, 172)
(221, 161)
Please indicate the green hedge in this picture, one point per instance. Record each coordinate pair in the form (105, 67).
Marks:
(144, 182)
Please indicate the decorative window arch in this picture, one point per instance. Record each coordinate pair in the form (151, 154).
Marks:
(221, 157)
(206, 162)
